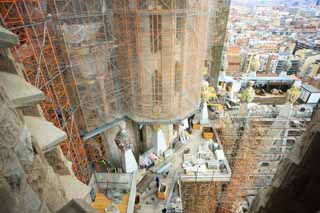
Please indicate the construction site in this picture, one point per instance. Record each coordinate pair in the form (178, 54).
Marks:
(124, 106)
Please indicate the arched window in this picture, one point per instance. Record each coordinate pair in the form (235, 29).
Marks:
(155, 32)
(157, 87)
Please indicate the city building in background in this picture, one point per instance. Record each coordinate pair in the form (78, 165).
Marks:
(124, 106)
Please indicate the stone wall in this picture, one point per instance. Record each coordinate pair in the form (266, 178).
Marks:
(27, 182)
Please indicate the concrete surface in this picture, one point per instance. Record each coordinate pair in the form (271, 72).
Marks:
(7, 38)
(20, 92)
(74, 188)
(47, 135)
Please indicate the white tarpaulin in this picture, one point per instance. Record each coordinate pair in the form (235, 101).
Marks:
(77, 33)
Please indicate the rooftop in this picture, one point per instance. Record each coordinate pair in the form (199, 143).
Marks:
(206, 162)
(310, 88)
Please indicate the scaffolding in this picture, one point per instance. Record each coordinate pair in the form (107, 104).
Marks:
(44, 69)
(217, 34)
(138, 58)
(100, 60)
(255, 144)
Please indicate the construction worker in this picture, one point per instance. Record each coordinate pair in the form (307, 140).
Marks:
(103, 162)
(157, 181)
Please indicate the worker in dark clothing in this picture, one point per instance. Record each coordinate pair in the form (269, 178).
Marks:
(190, 120)
(158, 181)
